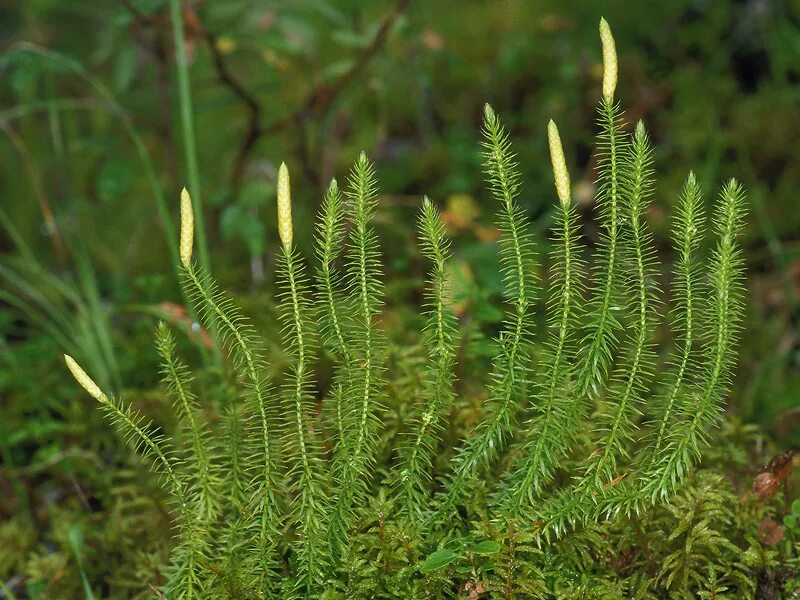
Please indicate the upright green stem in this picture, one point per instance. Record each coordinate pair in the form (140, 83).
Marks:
(595, 362)
(308, 503)
(329, 236)
(508, 373)
(548, 440)
(355, 451)
(726, 271)
(637, 188)
(687, 234)
(366, 315)
(301, 366)
(265, 472)
(606, 463)
(438, 393)
(104, 93)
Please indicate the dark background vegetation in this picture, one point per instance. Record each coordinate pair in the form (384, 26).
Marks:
(89, 97)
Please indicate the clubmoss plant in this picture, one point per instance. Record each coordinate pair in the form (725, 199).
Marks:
(285, 497)
(420, 448)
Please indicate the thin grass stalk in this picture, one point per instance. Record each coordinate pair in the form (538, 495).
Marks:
(187, 128)
(102, 91)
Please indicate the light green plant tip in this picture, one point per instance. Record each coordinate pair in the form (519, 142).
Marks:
(560, 172)
(187, 228)
(609, 60)
(84, 380)
(284, 206)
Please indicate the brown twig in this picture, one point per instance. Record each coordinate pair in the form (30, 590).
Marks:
(253, 108)
(132, 8)
(318, 100)
(323, 95)
(50, 224)
(159, 48)
(156, 591)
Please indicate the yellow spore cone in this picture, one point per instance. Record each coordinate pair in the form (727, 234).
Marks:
(560, 173)
(187, 228)
(284, 206)
(84, 380)
(609, 60)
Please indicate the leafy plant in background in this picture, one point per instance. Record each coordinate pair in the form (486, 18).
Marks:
(792, 520)
(266, 507)
(70, 314)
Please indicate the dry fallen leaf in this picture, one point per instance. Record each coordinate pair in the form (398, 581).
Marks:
(770, 532)
(178, 315)
(460, 213)
(765, 486)
(781, 465)
(432, 40)
(474, 589)
(614, 482)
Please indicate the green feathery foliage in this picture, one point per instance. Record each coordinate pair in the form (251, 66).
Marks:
(633, 374)
(354, 454)
(629, 186)
(420, 447)
(701, 405)
(257, 462)
(702, 515)
(687, 233)
(201, 460)
(547, 436)
(302, 446)
(601, 324)
(185, 580)
(286, 497)
(509, 378)
(331, 308)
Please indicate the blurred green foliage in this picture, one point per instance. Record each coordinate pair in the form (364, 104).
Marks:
(89, 145)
